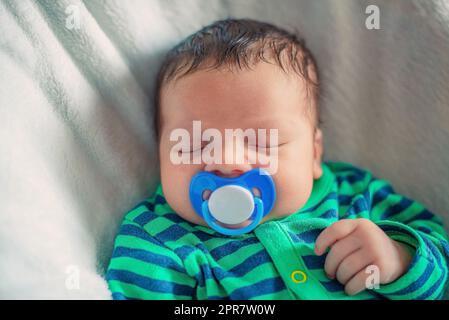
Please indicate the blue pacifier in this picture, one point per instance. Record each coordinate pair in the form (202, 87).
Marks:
(250, 196)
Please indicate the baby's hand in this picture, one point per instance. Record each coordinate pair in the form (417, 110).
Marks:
(356, 244)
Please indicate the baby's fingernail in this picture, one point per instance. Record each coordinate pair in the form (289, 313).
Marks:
(318, 251)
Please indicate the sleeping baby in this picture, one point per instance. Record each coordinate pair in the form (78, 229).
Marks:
(246, 207)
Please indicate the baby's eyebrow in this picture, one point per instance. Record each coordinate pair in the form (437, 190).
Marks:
(269, 124)
(273, 123)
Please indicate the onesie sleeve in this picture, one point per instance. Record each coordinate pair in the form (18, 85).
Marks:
(142, 267)
(410, 223)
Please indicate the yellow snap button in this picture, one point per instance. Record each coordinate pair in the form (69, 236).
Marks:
(298, 276)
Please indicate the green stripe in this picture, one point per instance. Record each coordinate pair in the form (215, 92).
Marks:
(239, 256)
(259, 273)
(381, 207)
(358, 187)
(151, 270)
(136, 292)
(157, 225)
(136, 212)
(137, 243)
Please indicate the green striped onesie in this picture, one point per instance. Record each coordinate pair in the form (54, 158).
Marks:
(159, 255)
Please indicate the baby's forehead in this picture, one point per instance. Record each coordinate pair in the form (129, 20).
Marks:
(219, 94)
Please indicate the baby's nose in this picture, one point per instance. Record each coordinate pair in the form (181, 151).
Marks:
(228, 171)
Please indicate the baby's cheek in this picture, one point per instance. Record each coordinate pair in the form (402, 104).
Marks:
(175, 181)
(293, 189)
(293, 197)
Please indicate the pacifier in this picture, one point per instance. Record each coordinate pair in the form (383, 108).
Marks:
(246, 198)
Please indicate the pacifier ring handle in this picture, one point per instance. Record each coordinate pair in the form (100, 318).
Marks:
(258, 212)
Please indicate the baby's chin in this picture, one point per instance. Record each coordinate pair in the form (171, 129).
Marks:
(247, 222)
(192, 217)
(200, 221)
(235, 226)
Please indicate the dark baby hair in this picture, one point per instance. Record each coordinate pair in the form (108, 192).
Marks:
(238, 43)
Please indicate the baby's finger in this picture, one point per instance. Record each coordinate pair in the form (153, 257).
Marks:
(351, 266)
(332, 234)
(357, 283)
(340, 251)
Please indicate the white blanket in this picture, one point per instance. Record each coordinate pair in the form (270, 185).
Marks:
(77, 147)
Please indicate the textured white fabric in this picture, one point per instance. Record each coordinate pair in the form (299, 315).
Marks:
(77, 148)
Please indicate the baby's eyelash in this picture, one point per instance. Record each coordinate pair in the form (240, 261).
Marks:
(190, 150)
(254, 146)
(273, 146)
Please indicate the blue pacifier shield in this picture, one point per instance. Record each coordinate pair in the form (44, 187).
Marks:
(232, 200)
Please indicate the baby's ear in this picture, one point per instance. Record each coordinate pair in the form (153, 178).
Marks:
(317, 153)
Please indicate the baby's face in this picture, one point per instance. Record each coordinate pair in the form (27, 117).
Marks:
(264, 97)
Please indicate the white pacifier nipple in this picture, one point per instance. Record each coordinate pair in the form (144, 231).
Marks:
(231, 204)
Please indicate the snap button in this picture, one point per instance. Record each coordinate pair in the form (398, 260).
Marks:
(298, 276)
